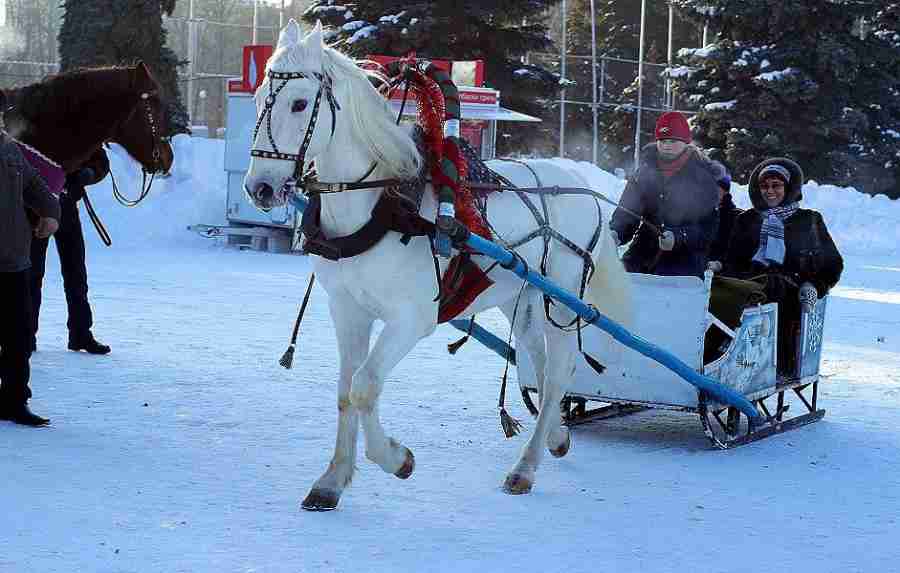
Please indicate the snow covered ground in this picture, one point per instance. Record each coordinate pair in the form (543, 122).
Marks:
(188, 448)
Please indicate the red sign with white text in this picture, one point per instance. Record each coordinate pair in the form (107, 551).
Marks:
(253, 71)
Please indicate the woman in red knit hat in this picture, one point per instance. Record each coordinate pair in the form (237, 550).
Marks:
(674, 189)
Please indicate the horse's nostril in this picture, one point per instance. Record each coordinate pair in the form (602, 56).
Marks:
(264, 192)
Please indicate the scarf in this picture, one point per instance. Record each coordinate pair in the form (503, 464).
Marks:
(670, 168)
(771, 234)
(49, 170)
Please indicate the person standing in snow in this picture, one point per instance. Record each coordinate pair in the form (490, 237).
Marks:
(69, 241)
(673, 189)
(783, 247)
(728, 213)
(21, 188)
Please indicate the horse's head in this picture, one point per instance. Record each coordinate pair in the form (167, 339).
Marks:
(142, 131)
(69, 115)
(296, 111)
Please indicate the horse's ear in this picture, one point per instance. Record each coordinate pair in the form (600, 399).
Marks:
(313, 45)
(290, 35)
(315, 38)
(145, 79)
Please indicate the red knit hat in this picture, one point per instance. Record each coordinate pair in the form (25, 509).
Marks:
(673, 125)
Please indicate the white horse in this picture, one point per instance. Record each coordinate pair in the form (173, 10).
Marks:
(395, 283)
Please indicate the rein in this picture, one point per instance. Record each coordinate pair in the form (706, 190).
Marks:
(155, 138)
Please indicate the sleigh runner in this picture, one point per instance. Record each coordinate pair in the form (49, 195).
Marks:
(676, 317)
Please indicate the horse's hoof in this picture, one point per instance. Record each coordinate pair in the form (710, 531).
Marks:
(562, 449)
(517, 484)
(408, 466)
(321, 500)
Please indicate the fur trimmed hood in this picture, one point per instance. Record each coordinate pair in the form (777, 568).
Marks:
(794, 190)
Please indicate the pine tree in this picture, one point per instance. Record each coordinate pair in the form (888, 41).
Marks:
(500, 32)
(800, 78)
(121, 32)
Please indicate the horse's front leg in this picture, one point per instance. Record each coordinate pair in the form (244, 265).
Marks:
(353, 326)
(395, 341)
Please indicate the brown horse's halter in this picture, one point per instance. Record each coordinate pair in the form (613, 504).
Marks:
(156, 140)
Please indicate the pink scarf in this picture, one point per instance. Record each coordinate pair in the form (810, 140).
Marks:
(52, 173)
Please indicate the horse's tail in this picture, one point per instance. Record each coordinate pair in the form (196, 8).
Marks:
(609, 289)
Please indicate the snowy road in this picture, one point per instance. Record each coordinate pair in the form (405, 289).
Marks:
(189, 448)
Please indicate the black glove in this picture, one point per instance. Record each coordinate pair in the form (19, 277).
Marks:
(778, 286)
(84, 176)
(75, 192)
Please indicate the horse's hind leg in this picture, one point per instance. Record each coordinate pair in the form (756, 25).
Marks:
(353, 326)
(395, 341)
(562, 350)
(529, 330)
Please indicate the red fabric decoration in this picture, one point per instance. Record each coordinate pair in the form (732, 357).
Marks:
(466, 212)
(431, 113)
(457, 296)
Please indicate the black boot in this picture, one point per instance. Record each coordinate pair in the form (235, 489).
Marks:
(20, 414)
(87, 343)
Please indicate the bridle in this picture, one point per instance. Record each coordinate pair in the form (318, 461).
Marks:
(156, 142)
(299, 158)
(302, 179)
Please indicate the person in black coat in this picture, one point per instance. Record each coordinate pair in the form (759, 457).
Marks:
(22, 190)
(70, 246)
(784, 247)
(674, 189)
(728, 214)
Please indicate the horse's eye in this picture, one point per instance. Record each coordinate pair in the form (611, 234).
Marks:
(298, 105)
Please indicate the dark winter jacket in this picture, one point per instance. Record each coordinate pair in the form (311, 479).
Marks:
(728, 214)
(685, 203)
(810, 253)
(93, 171)
(21, 187)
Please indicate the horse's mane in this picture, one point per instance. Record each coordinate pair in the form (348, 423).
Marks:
(67, 92)
(373, 121)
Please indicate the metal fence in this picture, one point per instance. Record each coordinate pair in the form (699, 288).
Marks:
(617, 100)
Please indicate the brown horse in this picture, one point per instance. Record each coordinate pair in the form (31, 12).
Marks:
(68, 116)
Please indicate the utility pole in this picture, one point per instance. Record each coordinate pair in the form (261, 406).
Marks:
(670, 101)
(281, 17)
(255, 19)
(562, 79)
(637, 129)
(594, 110)
(192, 61)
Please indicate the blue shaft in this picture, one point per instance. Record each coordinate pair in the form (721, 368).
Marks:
(487, 338)
(720, 393)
